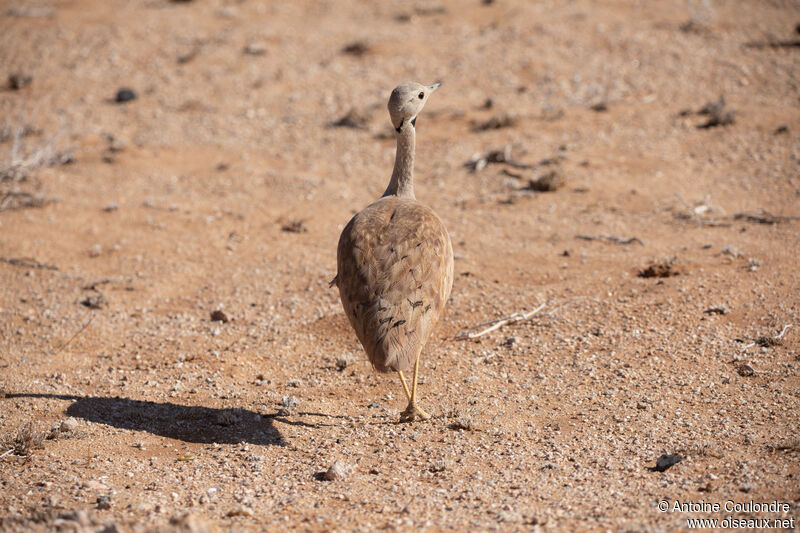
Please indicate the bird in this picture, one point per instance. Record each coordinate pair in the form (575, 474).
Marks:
(395, 261)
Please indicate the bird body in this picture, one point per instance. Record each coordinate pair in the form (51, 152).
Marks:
(395, 260)
(395, 264)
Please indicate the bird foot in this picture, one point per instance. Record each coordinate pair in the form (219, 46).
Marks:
(413, 413)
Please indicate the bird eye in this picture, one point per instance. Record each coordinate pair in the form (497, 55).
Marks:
(421, 95)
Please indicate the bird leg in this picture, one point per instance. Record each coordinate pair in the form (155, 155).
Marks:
(405, 385)
(413, 412)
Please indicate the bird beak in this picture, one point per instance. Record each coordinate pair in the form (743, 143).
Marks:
(434, 86)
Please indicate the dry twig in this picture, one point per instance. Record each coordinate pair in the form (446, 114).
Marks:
(20, 200)
(478, 162)
(27, 262)
(497, 323)
(58, 350)
(612, 238)
(768, 341)
(763, 217)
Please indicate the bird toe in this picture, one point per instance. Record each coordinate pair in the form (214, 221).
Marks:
(413, 413)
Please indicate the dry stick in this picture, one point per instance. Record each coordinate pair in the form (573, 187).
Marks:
(6, 453)
(763, 217)
(26, 262)
(776, 337)
(497, 323)
(58, 350)
(612, 238)
(783, 331)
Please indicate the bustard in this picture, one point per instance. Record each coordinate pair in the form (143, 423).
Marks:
(395, 261)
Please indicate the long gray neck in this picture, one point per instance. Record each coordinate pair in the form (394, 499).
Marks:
(402, 182)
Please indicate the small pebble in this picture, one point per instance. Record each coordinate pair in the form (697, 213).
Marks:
(69, 425)
(510, 341)
(438, 466)
(255, 49)
(219, 316)
(94, 301)
(125, 95)
(103, 502)
(241, 511)
(345, 360)
(18, 80)
(338, 470)
(93, 484)
(745, 370)
(548, 182)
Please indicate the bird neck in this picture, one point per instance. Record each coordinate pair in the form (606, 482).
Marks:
(402, 182)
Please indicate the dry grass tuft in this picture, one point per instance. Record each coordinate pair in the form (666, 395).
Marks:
(21, 159)
(25, 440)
(660, 269)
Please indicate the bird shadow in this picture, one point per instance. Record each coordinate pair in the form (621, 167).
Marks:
(188, 423)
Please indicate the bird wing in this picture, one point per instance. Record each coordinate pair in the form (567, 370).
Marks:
(395, 272)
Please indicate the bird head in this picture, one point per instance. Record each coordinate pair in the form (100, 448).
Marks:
(407, 101)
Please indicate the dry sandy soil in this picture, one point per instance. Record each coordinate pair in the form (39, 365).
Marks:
(225, 183)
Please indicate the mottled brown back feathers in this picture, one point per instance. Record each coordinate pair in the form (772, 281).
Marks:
(395, 272)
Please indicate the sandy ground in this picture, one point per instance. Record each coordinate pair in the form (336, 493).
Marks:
(224, 185)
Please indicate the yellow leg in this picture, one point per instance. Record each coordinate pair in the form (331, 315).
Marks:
(405, 385)
(413, 412)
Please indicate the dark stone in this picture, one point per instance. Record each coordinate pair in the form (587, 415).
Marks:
(358, 48)
(103, 502)
(18, 80)
(666, 461)
(95, 300)
(219, 316)
(125, 95)
(548, 182)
